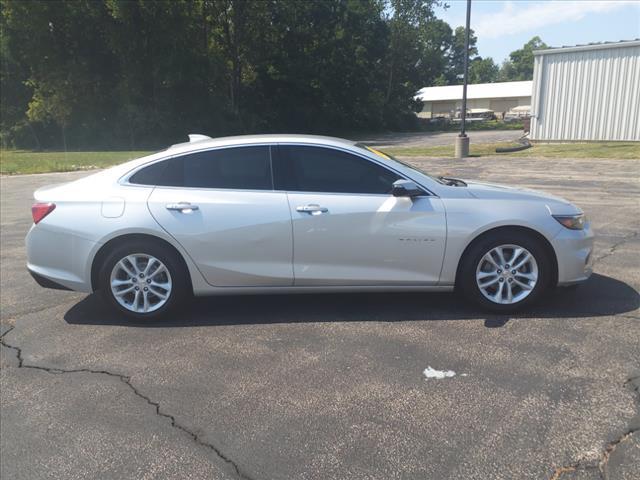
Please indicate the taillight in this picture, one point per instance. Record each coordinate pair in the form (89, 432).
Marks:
(41, 210)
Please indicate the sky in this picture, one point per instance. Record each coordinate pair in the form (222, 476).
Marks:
(504, 26)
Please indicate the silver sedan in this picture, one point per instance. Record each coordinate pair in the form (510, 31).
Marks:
(298, 213)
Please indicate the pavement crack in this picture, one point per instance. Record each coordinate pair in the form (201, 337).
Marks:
(601, 465)
(614, 247)
(127, 381)
(558, 472)
(7, 331)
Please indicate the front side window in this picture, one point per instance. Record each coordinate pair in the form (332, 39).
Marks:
(242, 168)
(318, 169)
(391, 158)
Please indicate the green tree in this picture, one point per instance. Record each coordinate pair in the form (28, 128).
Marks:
(139, 73)
(438, 41)
(457, 54)
(319, 66)
(407, 60)
(483, 70)
(520, 63)
(50, 43)
(170, 74)
(14, 93)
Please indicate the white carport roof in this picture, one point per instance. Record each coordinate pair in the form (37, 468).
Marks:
(479, 90)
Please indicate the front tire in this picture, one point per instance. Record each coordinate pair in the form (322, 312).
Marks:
(505, 271)
(143, 280)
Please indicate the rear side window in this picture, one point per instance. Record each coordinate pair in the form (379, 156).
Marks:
(318, 169)
(151, 175)
(244, 168)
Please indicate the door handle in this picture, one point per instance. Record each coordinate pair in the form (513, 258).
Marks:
(313, 209)
(182, 207)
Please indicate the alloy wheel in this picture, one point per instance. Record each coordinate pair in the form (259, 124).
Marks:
(141, 283)
(507, 274)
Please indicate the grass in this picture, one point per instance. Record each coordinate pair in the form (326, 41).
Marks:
(455, 127)
(550, 150)
(22, 161)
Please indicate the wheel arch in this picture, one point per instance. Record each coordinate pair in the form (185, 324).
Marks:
(115, 242)
(551, 253)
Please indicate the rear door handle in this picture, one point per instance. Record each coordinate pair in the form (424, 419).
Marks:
(182, 207)
(312, 208)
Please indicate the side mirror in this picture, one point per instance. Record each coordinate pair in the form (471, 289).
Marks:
(406, 188)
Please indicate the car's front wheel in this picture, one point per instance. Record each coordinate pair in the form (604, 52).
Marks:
(505, 272)
(143, 281)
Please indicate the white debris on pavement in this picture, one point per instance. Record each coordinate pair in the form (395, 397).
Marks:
(439, 374)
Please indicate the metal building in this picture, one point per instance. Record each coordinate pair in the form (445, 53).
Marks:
(499, 97)
(587, 93)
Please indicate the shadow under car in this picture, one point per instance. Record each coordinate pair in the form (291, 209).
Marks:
(599, 296)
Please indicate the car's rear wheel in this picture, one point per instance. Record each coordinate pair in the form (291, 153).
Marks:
(505, 271)
(143, 281)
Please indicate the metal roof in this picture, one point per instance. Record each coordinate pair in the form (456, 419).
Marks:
(478, 90)
(589, 46)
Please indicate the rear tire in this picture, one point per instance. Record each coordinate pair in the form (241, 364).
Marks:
(143, 280)
(505, 271)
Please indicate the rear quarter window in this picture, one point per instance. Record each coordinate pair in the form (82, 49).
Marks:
(242, 168)
(151, 175)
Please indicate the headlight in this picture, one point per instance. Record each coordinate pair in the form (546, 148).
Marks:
(572, 222)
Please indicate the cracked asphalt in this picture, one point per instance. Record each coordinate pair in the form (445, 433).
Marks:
(331, 386)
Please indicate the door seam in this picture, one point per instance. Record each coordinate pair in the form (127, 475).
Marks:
(186, 252)
(293, 243)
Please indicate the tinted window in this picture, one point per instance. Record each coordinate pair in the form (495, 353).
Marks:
(317, 169)
(236, 168)
(151, 175)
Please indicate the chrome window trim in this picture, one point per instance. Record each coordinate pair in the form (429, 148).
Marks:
(124, 180)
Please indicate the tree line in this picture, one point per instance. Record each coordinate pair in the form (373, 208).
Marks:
(140, 74)
(519, 65)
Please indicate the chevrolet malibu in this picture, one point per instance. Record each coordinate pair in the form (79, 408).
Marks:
(298, 213)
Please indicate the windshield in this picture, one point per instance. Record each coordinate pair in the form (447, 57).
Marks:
(388, 156)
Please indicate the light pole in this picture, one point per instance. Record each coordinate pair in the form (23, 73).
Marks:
(462, 141)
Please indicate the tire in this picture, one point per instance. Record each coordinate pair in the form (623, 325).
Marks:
(479, 279)
(149, 295)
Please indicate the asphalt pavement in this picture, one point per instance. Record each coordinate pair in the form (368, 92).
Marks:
(332, 386)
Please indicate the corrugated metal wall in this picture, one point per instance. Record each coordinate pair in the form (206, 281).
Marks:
(587, 94)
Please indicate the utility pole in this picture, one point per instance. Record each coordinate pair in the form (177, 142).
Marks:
(462, 141)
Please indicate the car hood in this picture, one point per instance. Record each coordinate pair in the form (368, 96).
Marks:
(556, 205)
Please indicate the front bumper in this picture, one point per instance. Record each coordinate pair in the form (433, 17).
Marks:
(574, 252)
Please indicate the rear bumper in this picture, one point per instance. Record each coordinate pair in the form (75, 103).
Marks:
(47, 283)
(574, 252)
(58, 259)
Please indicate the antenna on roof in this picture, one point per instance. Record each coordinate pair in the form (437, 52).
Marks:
(196, 137)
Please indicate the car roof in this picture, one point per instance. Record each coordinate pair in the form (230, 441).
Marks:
(199, 142)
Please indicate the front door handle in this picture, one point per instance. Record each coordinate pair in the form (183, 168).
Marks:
(182, 207)
(312, 208)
